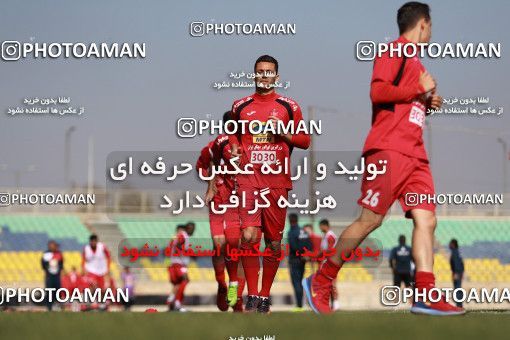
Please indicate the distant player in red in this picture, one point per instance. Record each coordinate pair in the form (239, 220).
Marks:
(71, 281)
(267, 107)
(178, 270)
(328, 242)
(96, 261)
(401, 92)
(316, 244)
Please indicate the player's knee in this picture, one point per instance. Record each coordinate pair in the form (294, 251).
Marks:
(219, 241)
(275, 246)
(275, 249)
(427, 222)
(250, 235)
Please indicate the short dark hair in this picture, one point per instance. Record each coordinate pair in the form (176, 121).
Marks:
(180, 226)
(227, 116)
(268, 59)
(455, 243)
(93, 237)
(409, 14)
(402, 239)
(293, 217)
(324, 222)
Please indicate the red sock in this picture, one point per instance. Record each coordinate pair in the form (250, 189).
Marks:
(240, 286)
(269, 268)
(251, 265)
(425, 280)
(179, 296)
(328, 271)
(232, 235)
(219, 269)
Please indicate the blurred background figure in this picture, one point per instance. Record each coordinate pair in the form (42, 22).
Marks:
(400, 263)
(128, 283)
(178, 270)
(73, 280)
(52, 263)
(315, 244)
(328, 241)
(457, 266)
(297, 239)
(96, 262)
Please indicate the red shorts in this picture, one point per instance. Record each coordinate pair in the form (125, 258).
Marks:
(405, 178)
(230, 219)
(271, 219)
(177, 272)
(94, 280)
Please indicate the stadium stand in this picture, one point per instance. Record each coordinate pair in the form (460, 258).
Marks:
(484, 245)
(23, 238)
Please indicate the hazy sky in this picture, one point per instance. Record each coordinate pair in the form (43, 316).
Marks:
(134, 104)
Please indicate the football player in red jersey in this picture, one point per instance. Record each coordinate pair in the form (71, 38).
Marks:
(265, 106)
(225, 227)
(401, 92)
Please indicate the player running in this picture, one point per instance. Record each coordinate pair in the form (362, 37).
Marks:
(96, 261)
(264, 106)
(328, 242)
(178, 270)
(225, 227)
(216, 226)
(401, 92)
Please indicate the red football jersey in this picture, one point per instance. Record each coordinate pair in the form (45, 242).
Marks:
(265, 147)
(220, 151)
(205, 158)
(398, 111)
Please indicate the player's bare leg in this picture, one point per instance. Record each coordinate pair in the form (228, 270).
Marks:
(250, 240)
(318, 287)
(334, 296)
(218, 262)
(171, 298)
(423, 254)
(423, 239)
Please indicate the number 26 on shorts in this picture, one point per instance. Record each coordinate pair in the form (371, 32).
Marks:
(371, 199)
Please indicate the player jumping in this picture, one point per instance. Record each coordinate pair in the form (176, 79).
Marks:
(401, 91)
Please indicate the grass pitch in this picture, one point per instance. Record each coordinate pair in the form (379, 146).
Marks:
(281, 325)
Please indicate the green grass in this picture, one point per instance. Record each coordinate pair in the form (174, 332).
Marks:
(344, 325)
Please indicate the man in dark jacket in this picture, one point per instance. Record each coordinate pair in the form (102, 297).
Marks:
(297, 239)
(52, 263)
(400, 263)
(457, 266)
